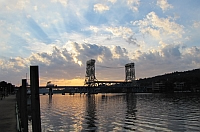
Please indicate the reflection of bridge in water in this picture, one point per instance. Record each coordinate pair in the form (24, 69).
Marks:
(92, 83)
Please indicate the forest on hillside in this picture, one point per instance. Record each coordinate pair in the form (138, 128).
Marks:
(190, 78)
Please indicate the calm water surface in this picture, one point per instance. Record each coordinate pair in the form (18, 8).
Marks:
(121, 112)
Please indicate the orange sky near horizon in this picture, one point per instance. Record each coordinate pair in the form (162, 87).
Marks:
(64, 82)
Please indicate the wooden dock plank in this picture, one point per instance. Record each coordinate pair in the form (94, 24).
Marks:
(7, 114)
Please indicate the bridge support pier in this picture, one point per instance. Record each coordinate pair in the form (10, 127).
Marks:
(50, 92)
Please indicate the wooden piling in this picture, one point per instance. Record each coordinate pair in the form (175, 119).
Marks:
(35, 99)
(24, 114)
(19, 100)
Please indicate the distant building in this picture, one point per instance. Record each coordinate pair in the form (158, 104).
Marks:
(195, 89)
(179, 86)
(158, 87)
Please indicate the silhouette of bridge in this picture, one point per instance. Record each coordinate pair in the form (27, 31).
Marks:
(92, 82)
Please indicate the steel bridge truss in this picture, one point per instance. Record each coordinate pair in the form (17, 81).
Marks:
(90, 73)
(90, 79)
(130, 72)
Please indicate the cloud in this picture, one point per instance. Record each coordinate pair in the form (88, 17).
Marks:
(14, 65)
(120, 31)
(13, 6)
(4, 46)
(39, 47)
(123, 32)
(196, 24)
(168, 59)
(133, 5)
(132, 40)
(62, 2)
(171, 51)
(68, 62)
(163, 4)
(112, 1)
(119, 52)
(4, 36)
(100, 8)
(193, 55)
(159, 27)
(94, 29)
(63, 34)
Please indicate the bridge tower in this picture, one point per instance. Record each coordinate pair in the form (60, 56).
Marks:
(130, 72)
(90, 73)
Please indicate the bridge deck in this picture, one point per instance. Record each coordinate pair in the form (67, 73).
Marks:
(96, 82)
(7, 114)
(110, 82)
(64, 87)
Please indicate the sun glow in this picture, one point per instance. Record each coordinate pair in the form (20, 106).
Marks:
(64, 82)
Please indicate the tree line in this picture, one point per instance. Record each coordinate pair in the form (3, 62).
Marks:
(191, 79)
(6, 89)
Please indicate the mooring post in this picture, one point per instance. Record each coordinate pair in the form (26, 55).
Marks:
(24, 115)
(20, 101)
(35, 99)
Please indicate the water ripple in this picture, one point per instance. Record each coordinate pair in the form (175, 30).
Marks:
(120, 112)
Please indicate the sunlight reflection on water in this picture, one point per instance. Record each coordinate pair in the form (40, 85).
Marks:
(120, 112)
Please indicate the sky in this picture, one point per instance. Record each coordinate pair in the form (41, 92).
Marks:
(159, 36)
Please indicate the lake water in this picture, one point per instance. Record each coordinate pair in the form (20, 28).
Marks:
(121, 112)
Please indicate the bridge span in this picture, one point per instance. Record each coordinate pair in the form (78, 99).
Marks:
(97, 85)
(91, 82)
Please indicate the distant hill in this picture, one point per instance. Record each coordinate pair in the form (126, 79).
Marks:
(190, 78)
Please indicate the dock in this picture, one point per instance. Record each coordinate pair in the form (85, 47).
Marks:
(7, 114)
